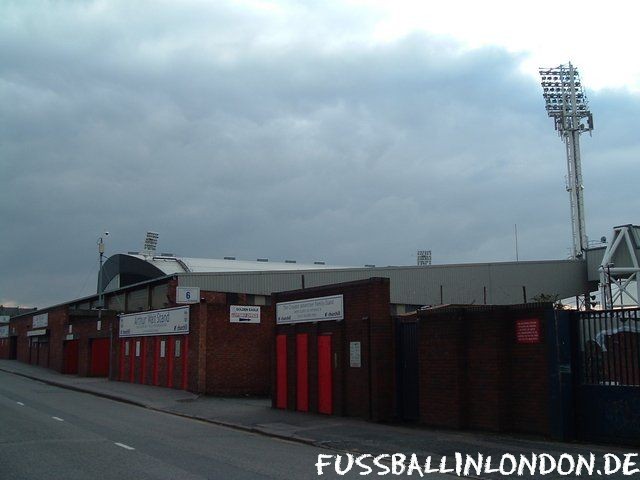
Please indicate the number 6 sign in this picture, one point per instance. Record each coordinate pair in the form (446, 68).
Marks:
(188, 295)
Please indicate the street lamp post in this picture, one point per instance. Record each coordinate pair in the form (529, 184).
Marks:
(101, 299)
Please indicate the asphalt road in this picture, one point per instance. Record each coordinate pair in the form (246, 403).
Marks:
(48, 432)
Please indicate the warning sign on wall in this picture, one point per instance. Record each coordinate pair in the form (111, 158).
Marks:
(528, 331)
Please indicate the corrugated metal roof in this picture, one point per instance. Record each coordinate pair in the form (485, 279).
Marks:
(172, 265)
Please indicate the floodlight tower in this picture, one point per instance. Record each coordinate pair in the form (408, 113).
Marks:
(567, 104)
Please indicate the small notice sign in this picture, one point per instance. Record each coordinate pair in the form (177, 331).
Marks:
(355, 354)
(244, 314)
(528, 331)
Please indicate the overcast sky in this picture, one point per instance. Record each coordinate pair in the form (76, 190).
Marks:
(350, 132)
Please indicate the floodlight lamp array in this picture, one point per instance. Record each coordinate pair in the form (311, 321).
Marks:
(151, 241)
(565, 100)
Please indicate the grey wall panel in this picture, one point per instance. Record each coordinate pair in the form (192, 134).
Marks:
(159, 296)
(137, 300)
(502, 282)
(116, 302)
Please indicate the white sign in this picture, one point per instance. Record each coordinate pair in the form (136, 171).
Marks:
(310, 310)
(187, 294)
(170, 321)
(244, 314)
(37, 333)
(4, 331)
(354, 354)
(69, 337)
(40, 321)
(4, 319)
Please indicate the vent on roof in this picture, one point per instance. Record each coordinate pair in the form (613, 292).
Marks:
(370, 266)
(229, 258)
(262, 259)
(318, 263)
(289, 261)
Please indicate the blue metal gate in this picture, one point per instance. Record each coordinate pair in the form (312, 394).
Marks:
(607, 384)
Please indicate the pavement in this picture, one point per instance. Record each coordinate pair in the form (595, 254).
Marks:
(341, 434)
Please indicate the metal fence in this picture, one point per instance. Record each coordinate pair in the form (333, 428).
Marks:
(610, 347)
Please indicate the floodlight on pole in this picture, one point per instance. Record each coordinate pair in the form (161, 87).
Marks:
(567, 104)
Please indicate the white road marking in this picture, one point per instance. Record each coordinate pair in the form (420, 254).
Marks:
(122, 445)
(20, 403)
(58, 419)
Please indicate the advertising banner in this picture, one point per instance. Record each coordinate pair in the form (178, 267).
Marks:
(244, 314)
(40, 321)
(310, 310)
(170, 321)
(37, 333)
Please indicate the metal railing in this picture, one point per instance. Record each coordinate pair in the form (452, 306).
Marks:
(609, 347)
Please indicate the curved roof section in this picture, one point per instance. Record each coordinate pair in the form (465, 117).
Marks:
(125, 269)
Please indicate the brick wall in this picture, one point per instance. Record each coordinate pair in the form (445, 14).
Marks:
(365, 391)
(84, 329)
(474, 374)
(238, 354)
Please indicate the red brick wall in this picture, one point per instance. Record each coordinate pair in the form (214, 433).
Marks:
(149, 350)
(45, 354)
(4, 348)
(84, 329)
(238, 354)
(366, 391)
(473, 373)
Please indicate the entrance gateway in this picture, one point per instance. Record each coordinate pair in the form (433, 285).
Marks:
(606, 352)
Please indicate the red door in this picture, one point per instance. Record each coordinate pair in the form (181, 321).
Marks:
(325, 377)
(100, 357)
(281, 371)
(302, 372)
(70, 356)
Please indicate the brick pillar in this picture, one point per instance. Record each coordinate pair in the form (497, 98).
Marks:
(201, 353)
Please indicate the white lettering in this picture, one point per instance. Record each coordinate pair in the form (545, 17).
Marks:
(590, 466)
(359, 461)
(608, 457)
(397, 463)
(487, 466)
(414, 465)
(544, 458)
(383, 468)
(443, 464)
(568, 459)
(470, 462)
(530, 464)
(349, 466)
(321, 464)
(628, 464)
(514, 464)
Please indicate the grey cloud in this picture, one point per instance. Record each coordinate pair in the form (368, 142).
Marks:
(228, 140)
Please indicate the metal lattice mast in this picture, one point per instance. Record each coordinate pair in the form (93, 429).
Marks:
(567, 104)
